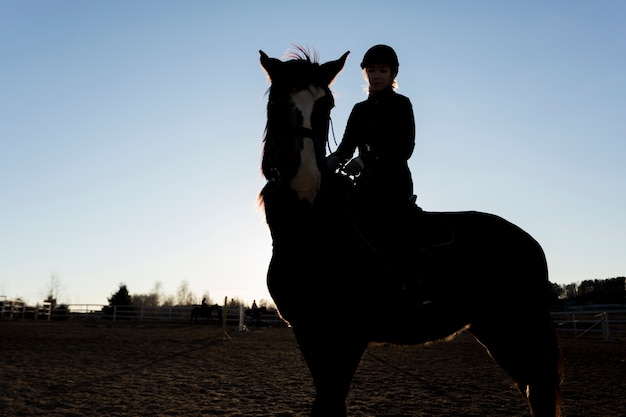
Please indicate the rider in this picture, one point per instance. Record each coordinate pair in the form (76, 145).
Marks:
(382, 128)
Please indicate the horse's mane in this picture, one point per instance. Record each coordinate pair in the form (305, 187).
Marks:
(301, 53)
(298, 53)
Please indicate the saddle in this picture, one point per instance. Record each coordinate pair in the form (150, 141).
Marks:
(406, 226)
(431, 229)
(401, 236)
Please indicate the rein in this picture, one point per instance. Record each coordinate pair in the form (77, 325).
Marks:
(274, 174)
(332, 129)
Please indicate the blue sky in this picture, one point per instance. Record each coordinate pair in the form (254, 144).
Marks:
(130, 131)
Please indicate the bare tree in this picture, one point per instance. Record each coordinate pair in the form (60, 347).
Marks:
(168, 301)
(53, 291)
(235, 302)
(184, 295)
(151, 299)
(269, 304)
(157, 292)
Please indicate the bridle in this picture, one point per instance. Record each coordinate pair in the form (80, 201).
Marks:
(272, 172)
(278, 141)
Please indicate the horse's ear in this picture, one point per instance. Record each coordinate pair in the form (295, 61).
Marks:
(271, 65)
(332, 68)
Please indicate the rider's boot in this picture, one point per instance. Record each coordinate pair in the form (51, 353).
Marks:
(413, 288)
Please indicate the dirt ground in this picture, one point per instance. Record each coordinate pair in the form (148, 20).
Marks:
(156, 369)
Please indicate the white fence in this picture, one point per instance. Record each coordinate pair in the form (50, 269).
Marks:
(12, 308)
(608, 323)
(232, 315)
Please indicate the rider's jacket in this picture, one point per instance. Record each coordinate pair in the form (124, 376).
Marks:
(383, 129)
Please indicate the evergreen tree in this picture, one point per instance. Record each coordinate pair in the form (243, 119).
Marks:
(120, 304)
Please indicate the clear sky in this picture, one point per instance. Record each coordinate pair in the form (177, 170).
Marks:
(130, 131)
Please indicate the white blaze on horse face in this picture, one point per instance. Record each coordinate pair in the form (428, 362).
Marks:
(306, 182)
(304, 100)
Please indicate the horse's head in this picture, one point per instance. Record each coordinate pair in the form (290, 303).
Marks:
(298, 115)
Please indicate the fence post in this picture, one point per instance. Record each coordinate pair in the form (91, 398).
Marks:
(574, 324)
(226, 336)
(242, 324)
(606, 331)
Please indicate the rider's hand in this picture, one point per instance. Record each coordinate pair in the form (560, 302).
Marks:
(333, 162)
(354, 167)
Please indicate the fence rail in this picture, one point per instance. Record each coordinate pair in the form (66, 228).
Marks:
(232, 315)
(12, 308)
(578, 323)
(607, 322)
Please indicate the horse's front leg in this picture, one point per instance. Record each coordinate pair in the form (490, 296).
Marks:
(332, 359)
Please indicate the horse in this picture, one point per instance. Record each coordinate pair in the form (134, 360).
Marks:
(256, 314)
(206, 311)
(479, 272)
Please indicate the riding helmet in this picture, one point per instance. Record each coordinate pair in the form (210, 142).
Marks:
(381, 54)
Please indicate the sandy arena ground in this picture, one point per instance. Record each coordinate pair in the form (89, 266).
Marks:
(179, 369)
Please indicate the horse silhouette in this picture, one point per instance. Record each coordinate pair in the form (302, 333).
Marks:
(255, 315)
(206, 311)
(480, 272)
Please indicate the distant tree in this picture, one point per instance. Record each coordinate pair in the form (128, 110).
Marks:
(595, 291)
(145, 299)
(168, 301)
(235, 302)
(585, 290)
(616, 290)
(121, 297)
(153, 298)
(267, 304)
(557, 292)
(119, 302)
(184, 295)
(571, 290)
(54, 290)
(606, 291)
(157, 293)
